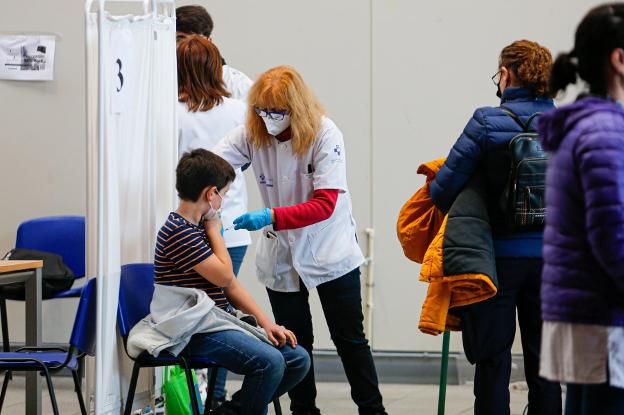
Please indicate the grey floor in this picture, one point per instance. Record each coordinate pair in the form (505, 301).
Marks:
(65, 397)
(333, 399)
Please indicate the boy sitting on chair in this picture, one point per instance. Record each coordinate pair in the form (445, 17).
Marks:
(190, 252)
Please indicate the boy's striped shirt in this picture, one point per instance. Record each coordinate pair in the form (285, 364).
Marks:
(180, 245)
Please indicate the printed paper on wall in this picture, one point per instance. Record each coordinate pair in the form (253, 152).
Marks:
(27, 58)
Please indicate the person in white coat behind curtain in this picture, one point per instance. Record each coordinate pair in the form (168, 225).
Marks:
(205, 115)
(308, 237)
(195, 19)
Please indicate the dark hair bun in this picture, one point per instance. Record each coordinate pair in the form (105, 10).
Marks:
(564, 72)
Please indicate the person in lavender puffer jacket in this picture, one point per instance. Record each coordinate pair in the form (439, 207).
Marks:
(583, 277)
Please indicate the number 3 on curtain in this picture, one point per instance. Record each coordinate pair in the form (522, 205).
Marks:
(120, 76)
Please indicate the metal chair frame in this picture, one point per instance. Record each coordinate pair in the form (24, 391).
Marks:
(45, 370)
(81, 343)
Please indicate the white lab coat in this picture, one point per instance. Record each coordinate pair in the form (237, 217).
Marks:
(236, 82)
(204, 129)
(317, 253)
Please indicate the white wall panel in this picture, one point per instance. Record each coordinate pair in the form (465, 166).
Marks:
(42, 142)
(432, 64)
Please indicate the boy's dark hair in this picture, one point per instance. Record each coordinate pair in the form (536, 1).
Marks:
(599, 33)
(199, 169)
(194, 20)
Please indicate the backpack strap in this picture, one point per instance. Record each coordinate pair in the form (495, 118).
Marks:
(530, 121)
(526, 127)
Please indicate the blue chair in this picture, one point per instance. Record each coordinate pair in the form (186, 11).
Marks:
(50, 360)
(136, 289)
(60, 235)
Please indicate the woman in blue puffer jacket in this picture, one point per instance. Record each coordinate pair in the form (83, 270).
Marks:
(489, 327)
(583, 278)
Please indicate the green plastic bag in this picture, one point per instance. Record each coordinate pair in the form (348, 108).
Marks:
(177, 399)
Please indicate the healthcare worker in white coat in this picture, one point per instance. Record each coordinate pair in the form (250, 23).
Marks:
(205, 115)
(308, 234)
(195, 19)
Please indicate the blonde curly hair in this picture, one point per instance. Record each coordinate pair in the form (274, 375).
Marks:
(283, 88)
(531, 63)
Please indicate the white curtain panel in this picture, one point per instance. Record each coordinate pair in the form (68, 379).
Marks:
(134, 153)
(91, 47)
(131, 122)
(165, 90)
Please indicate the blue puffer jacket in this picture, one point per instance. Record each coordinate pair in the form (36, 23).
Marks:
(485, 144)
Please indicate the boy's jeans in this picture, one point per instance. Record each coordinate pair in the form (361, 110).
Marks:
(269, 372)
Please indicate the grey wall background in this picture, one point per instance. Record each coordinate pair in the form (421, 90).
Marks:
(400, 78)
(42, 142)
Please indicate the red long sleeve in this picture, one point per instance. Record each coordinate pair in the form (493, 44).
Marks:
(315, 210)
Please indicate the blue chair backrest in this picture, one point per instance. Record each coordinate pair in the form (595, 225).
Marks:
(83, 333)
(61, 235)
(136, 289)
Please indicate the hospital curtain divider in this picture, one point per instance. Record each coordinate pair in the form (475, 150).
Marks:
(92, 65)
(132, 148)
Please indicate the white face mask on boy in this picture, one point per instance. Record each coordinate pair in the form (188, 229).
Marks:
(214, 213)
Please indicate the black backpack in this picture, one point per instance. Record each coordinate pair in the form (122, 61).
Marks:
(523, 199)
(56, 276)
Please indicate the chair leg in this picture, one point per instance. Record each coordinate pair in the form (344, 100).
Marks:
(81, 369)
(4, 320)
(77, 383)
(211, 389)
(51, 390)
(191, 388)
(277, 406)
(131, 388)
(5, 384)
(6, 345)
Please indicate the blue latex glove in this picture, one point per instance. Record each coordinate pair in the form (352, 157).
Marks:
(254, 220)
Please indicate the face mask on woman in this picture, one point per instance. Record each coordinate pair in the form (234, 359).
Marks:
(275, 127)
(497, 80)
(275, 121)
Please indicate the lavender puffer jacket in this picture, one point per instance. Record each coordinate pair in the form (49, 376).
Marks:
(583, 277)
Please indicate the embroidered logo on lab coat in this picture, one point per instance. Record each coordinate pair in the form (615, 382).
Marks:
(263, 180)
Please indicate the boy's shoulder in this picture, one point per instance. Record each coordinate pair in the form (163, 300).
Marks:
(176, 219)
(173, 224)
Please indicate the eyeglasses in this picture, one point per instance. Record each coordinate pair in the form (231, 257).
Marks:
(496, 78)
(274, 115)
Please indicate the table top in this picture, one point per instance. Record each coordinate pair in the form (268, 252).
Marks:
(12, 266)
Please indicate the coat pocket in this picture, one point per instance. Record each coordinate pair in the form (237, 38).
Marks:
(331, 244)
(266, 254)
